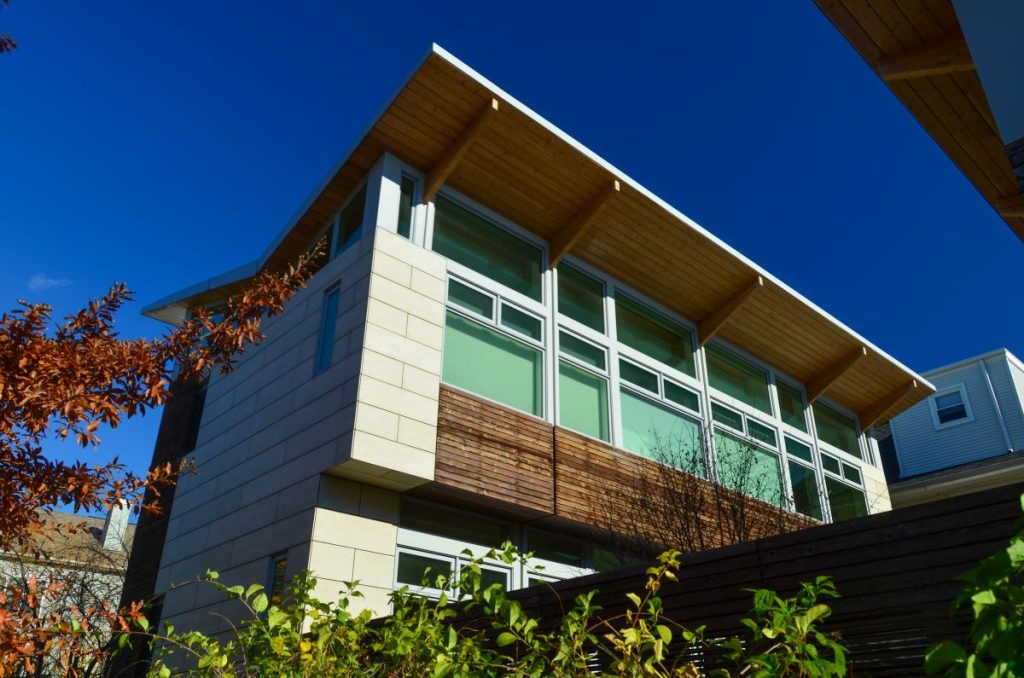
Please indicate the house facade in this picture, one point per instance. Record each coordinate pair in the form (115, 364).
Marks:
(967, 437)
(505, 328)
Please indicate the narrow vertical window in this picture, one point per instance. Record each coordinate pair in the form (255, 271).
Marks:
(791, 405)
(328, 321)
(350, 222)
(408, 186)
(276, 578)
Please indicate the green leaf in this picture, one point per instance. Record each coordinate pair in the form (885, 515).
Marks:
(943, 655)
(260, 602)
(505, 639)
(634, 598)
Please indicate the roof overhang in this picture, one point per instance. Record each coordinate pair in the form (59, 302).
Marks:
(920, 52)
(460, 128)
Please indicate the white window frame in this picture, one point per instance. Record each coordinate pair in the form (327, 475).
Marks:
(934, 408)
(825, 446)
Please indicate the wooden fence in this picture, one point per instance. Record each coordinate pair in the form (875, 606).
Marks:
(896, 572)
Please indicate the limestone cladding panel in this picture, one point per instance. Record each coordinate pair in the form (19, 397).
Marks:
(876, 488)
(273, 426)
(355, 532)
(394, 435)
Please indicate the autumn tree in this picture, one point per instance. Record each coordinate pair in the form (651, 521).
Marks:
(68, 381)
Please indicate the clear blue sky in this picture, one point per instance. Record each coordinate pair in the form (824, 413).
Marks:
(162, 143)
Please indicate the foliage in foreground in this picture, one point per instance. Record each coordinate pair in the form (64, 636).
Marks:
(995, 589)
(480, 631)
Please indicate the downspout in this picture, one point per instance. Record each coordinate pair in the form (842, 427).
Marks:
(995, 402)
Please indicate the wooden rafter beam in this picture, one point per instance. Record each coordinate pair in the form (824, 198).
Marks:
(816, 387)
(443, 168)
(710, 326)
(570, 235)
(947, 56)
(1011, 208)
(873, 415)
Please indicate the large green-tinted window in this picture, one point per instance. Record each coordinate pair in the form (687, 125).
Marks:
(413, 569)
(581, 297)
(806, 498)
(582, 401)
(736, 377)
(489, 363)
(747, 468)
(845, 501)
(658, 432)
(648, 332)
(836, 429)
(791, 406)
(351, 221)
(490, 250)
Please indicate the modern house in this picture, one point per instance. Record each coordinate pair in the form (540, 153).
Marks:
(968, 437)
(505, 326)
(956, 66)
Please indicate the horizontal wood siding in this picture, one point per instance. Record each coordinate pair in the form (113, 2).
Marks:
(498, 459)
(895, 572)
(495, 453)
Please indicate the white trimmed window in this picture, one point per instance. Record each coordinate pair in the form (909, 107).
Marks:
(950, 407)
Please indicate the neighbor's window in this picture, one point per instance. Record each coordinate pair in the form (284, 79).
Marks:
(749, 468)
(328, 322)
(653, 335)
(736, 377)
(350, 222)
(950, 407)
(581, 297)
(492, 364)
(405, 199)
(490, 250)
(791, 405)
(836, 429)
(656, 431)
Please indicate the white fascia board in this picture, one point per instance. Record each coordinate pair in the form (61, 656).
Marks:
(997, 353)
(623, 177)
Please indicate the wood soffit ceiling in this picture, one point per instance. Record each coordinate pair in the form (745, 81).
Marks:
(918, 49)
(523, 168)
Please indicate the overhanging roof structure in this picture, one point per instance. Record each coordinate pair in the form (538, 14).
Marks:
(919, 49)
(465, 132)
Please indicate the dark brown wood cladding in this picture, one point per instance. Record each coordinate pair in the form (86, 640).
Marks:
(895, 571)
(496, 458)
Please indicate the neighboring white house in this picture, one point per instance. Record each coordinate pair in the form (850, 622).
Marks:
(967, 437)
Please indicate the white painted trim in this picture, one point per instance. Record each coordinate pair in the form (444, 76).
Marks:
(933, 407)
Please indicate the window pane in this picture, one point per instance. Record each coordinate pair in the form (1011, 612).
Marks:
(412, 567)
(581, 297)
(489, 577)
(524, 323)
(836, 429)
(581, 350)
(805, 490)
(736, 377)
(749, 469)
(845, 501)
(851, 473)
(493, 365)
(660, 433)
(762, 433)
(951, 413)
(726, 416)
(948, 400)
(351, 221)
(651, 334)
(456, 525)
(582, 401)
(405, 206)
(328, 321)
(830, 464)
(557, 548)
(470, 299)
(682, 396)
(796, 449)
(635, 374)
(791, 406)
(490, 250)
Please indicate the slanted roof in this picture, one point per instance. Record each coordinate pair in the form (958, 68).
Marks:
(457, 126)
(919, 50)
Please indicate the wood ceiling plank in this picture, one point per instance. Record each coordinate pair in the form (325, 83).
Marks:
(879, 410)
(948, 56)
(437, 174)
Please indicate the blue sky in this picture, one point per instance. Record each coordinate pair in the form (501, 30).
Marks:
(160, 144)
